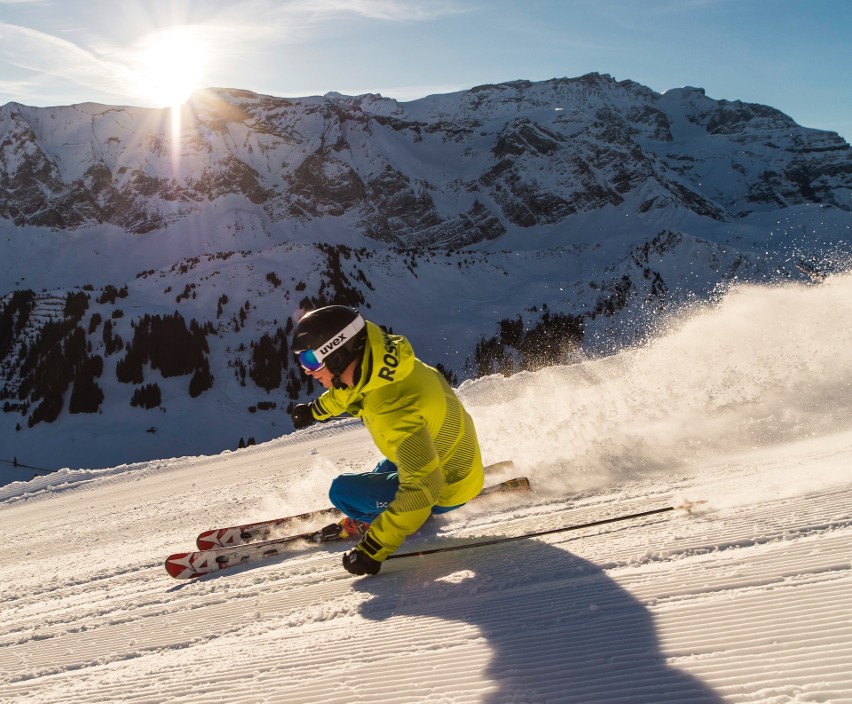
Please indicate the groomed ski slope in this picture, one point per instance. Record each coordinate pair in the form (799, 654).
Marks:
(747, 598)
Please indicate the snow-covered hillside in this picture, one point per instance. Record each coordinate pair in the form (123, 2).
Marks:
(618, 281)
(746, 406)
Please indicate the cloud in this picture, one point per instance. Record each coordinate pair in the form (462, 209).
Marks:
(301, 20)
(43, 53)
(387, 10)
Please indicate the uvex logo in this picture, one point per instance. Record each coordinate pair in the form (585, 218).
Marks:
(331, 344)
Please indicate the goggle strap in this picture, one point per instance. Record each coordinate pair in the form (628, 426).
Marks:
(348, 332)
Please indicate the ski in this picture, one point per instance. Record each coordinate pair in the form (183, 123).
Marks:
(254, 532)
(188, 565)
(268, 529)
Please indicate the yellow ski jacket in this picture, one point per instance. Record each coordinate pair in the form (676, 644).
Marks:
(418, 423)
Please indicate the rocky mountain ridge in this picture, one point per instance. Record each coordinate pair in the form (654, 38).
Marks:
(450, 170)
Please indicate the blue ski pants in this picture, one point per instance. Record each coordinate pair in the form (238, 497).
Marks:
(363, 496)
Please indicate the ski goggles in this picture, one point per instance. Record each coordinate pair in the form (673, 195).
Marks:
(314, 360)
(308, 360)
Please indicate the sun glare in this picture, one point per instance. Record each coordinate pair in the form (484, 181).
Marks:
(171, 65)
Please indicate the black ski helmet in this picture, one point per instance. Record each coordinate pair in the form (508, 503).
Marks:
(332, 337)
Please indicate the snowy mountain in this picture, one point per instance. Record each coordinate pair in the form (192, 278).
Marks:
(151, 267)
(446, 170)
(744, 406)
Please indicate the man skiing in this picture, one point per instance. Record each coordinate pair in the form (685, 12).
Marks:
(433, 460)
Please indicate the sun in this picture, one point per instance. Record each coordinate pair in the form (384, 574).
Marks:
(171, 63)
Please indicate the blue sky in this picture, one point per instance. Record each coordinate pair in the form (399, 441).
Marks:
(793, 55)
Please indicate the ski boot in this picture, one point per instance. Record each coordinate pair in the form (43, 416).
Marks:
(345, 528)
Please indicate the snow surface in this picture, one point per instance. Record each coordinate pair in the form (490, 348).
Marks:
(747, 598)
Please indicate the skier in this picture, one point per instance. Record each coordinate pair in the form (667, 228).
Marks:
(433, 462)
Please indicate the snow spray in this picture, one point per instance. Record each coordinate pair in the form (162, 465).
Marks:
(765, 365)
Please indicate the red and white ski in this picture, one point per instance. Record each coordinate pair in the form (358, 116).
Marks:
(262, 530)
(188, 565)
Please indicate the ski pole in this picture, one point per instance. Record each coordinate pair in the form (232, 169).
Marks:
(497, 541)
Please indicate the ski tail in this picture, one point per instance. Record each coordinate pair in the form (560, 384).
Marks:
(516, 484)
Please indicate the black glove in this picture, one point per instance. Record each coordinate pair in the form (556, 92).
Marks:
(301, 416)
(357, 562)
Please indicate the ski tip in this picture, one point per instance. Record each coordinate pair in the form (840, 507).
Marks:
(178, 566)
(207, 541)
(218, 538)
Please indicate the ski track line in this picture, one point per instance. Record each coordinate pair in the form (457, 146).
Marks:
(704, 573)
(86, 595)
(91, 596)
(85, 584)
(704, 532)
(109, 607)
(65, 480)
